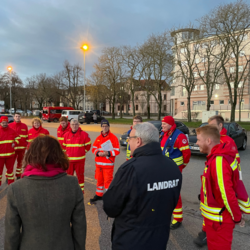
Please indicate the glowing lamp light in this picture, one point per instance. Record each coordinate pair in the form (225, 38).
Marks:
(85, 47)
(216, 96)
(9, 68)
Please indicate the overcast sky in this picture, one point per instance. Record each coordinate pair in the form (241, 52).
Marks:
(37, 36)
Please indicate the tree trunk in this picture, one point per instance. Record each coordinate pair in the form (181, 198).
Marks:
(113, 107)
(233, 108)
(188, 108)
(240, 111)
(148, 106)
(133, 102)
(159, 105)
(120, 110)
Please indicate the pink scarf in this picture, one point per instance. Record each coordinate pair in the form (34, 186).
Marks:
(51, 171)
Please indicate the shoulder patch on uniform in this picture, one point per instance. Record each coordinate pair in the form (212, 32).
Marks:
(184, 141)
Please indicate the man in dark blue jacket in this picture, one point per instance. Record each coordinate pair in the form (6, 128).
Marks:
(143, 194)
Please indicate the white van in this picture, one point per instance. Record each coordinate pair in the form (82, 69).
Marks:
(71, 114)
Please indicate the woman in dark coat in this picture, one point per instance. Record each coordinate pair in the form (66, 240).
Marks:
(45, 208)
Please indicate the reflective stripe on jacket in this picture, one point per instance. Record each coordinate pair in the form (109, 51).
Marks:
(128, 153)
(61, 133)
(22, 131)
(103, 161)
(34, 133)
(7, 137)
(76, 145)
(219, 191)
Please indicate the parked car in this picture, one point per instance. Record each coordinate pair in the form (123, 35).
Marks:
(36, 112)
(105, 113)
(10, 117)
(71, 114)
(88, 117)
(234, 130)
(182, 127)
(97, 111)
(12, 111)
(29, 112)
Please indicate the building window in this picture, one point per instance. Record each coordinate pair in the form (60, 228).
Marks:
(240, 68)
(232, 55)
(183, 50)
(202, 87)
(231, 69)
(183, 91)
(202, 73)
(211, 102)
(183, 63)
(172, 91)
(195, 88)
(217, 86)
(221, 102)
(165, 107)
(136, 97)
(165, 97)
(232, 85)
(197, 60)
(136, 107)
(195, 74)
(240, 84)
(182, 103)
(204, 59)
(242, 53)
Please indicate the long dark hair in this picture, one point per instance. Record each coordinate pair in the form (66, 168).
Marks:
(45, 149)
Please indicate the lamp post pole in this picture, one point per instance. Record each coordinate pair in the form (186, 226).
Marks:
(84, 100)
(10, 70)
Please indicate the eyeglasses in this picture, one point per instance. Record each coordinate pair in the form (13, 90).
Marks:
(130, 137)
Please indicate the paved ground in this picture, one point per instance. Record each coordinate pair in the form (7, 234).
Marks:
(98, 233)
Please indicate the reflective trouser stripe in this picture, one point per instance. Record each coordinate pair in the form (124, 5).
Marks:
(7, 154)
(10, 176)
(244, 206)
(178, 216)
(219, 170)
(18, 170)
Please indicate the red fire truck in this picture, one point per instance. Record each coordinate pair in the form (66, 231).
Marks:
(53, 113)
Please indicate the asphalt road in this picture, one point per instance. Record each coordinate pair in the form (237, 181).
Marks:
(99, 228)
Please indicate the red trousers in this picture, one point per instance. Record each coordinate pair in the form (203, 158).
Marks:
(19, 157)
(104, 177)
(9, 163)
(79, 168)
(219, 236)
(178, 213)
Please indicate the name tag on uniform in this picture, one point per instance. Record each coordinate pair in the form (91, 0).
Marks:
(162, 185)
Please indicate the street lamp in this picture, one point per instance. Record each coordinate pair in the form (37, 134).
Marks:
(85, 48)
(10, 70)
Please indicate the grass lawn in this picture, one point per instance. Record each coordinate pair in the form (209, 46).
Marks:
(245, 125)
(192, 124)
(123, 121)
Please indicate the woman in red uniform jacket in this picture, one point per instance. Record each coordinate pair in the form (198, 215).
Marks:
(36, 130)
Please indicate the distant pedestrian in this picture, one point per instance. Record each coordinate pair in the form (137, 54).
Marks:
(63, 128)
(36, 130)
(45, 208)
(9, 139)
(76, 144)
(95, 118)
(105, 149)
(22, 130)
(136, 120)
(223, 197)
(143, 194)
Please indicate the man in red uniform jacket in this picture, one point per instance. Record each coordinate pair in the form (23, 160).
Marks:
(36, 130)
(218, 122)
(105, 149)
(20, 149)
(76, 144)
(8, 140)
(63, 129)
(174, 145)
(218, 201)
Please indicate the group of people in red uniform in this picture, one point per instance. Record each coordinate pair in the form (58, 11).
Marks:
(15, 138)
(223, 197)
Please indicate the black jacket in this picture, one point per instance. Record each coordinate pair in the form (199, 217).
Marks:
(141, 198)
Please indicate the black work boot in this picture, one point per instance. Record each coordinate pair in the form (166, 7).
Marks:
(201, 239)
(95, 198)
(175, 225)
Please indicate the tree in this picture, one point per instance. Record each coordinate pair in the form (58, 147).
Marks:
(110, 67)
(229, 23)
(157, 50)
(185, 64)
(208, 66)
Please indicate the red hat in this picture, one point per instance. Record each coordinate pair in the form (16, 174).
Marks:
(4, 119)
(169, 120)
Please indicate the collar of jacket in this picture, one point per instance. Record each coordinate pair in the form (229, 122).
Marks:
(152, 148)
(44, 177)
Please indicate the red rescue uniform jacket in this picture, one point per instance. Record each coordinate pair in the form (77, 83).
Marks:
(76, 145)
(224, 138)
(22, 131)
(181, 143)
(34, 133)
(8, 136)
(105, 161)
(61, 132)
(219, 183)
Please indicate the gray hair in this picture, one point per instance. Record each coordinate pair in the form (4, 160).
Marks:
(74, 121)
(147, 132)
